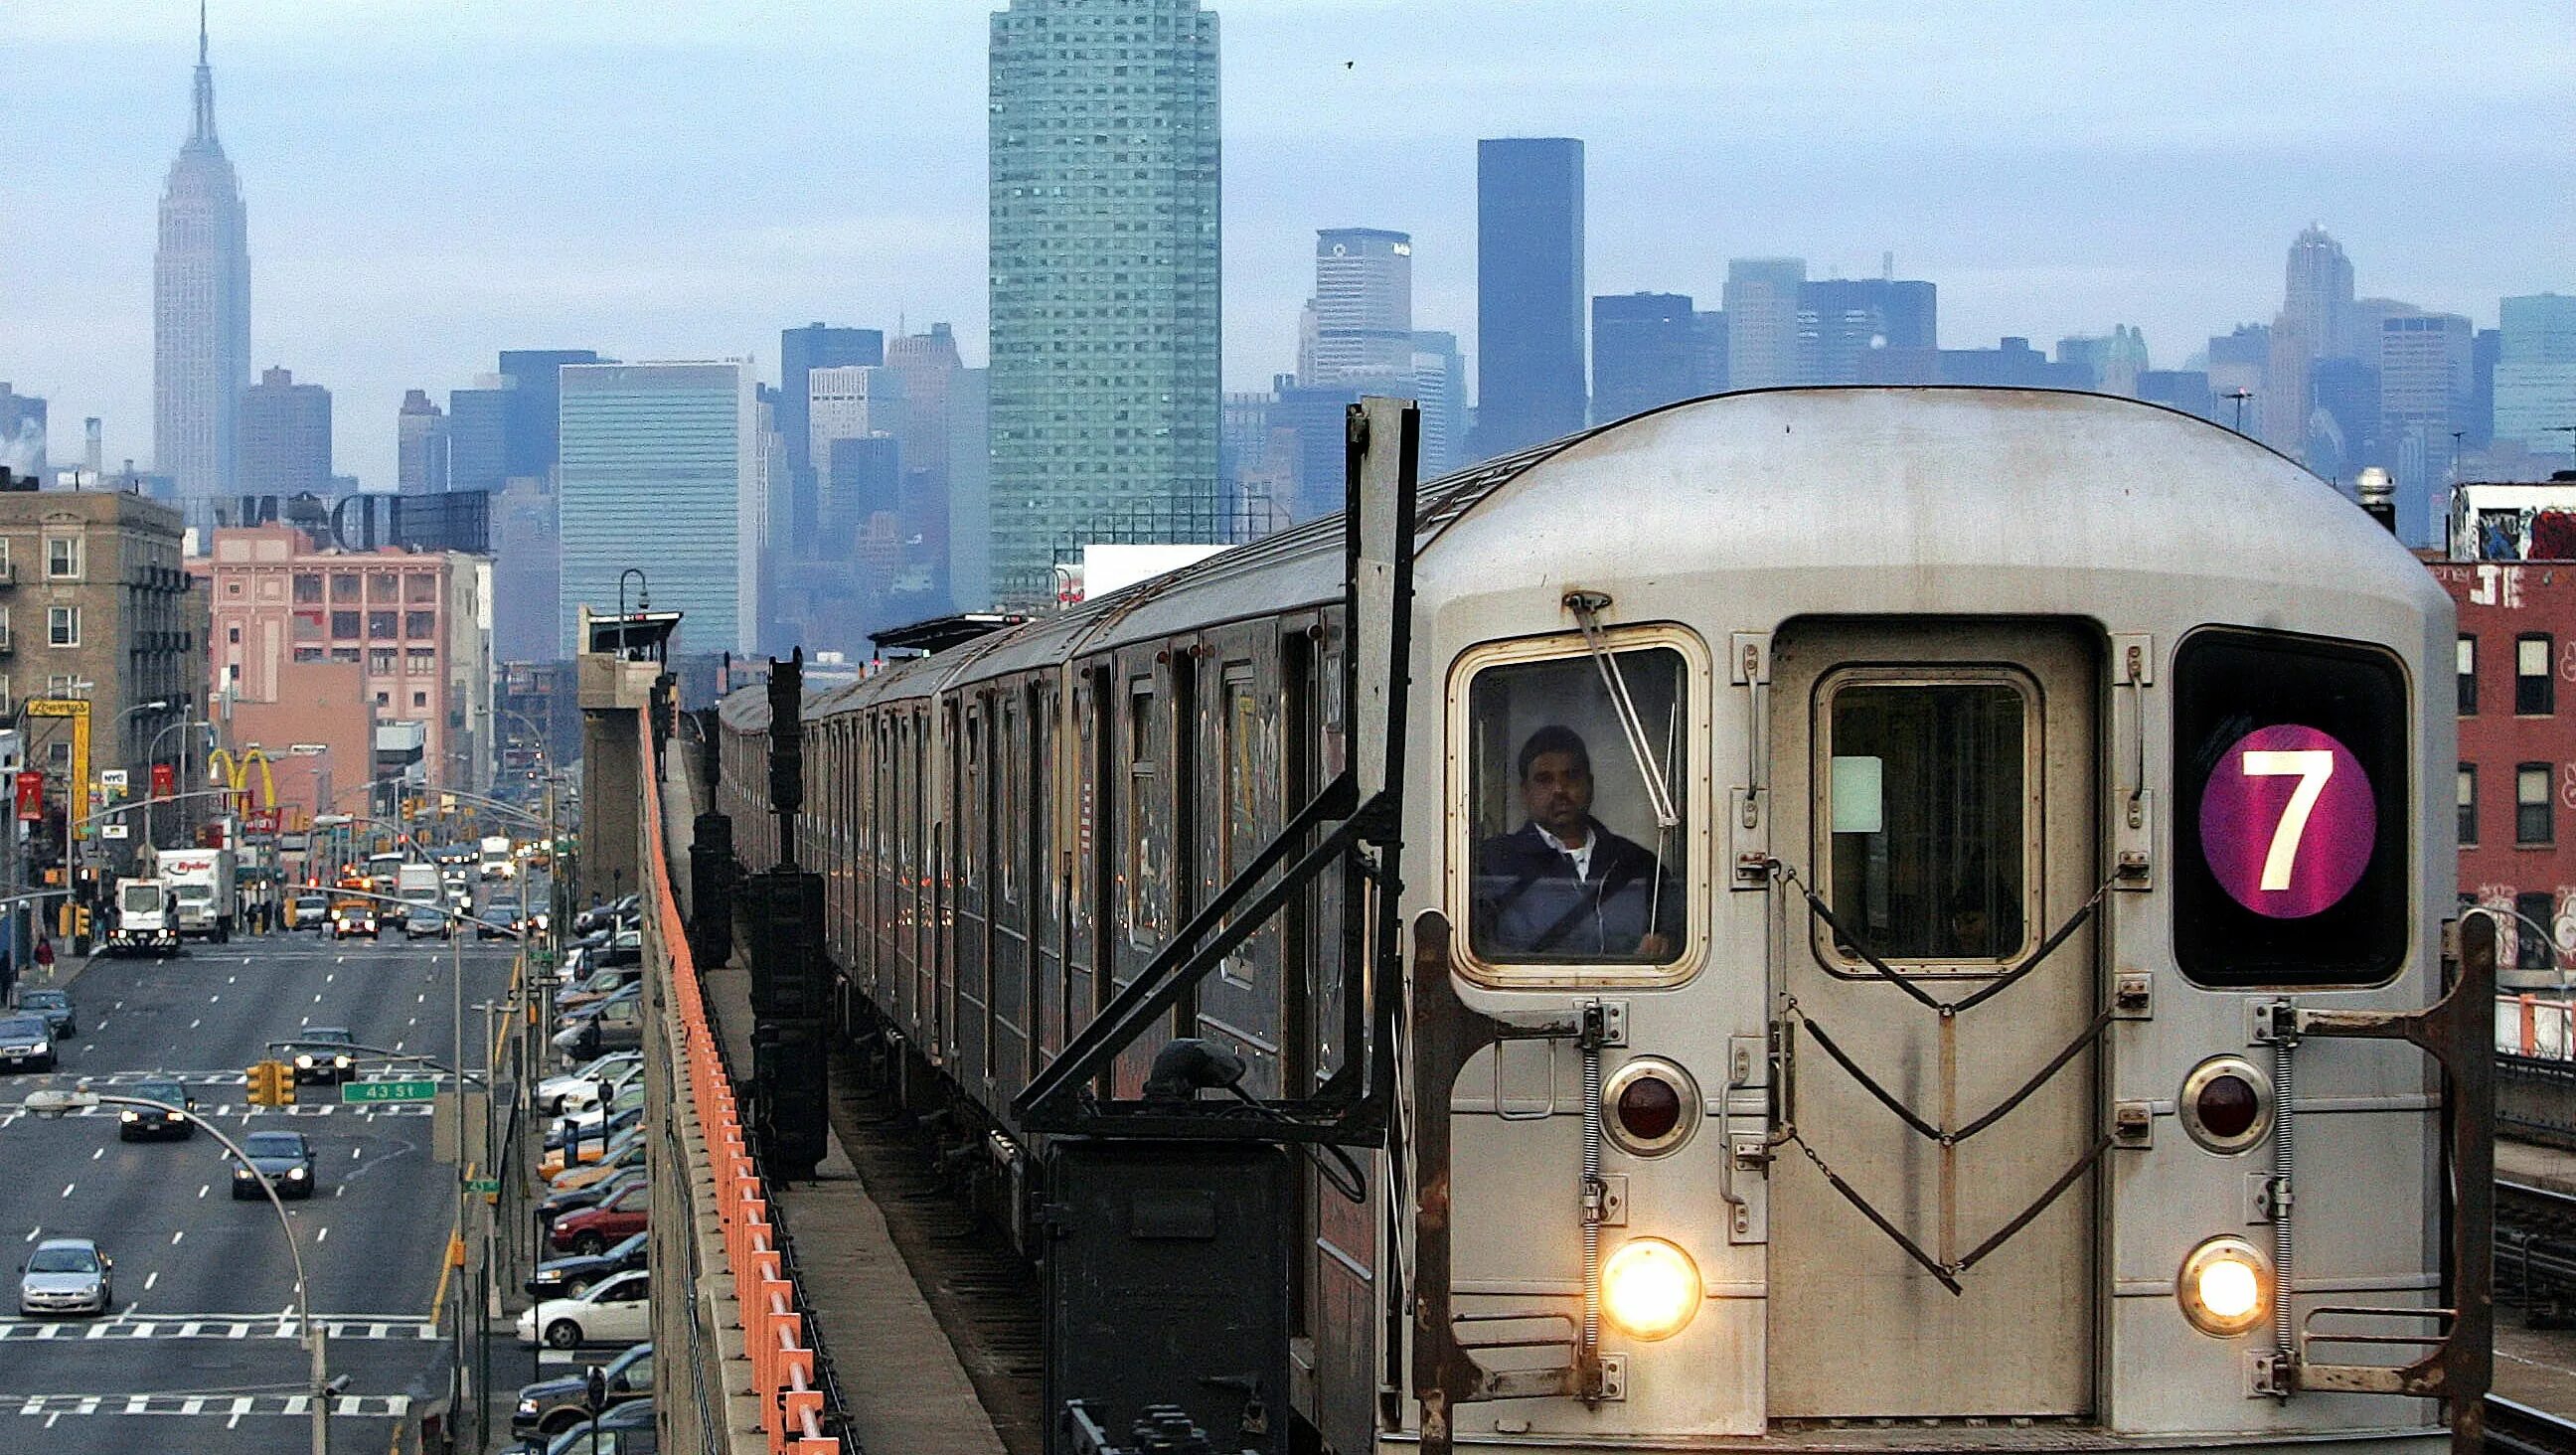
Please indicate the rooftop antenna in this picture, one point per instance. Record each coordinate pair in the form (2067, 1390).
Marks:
(1887, 266)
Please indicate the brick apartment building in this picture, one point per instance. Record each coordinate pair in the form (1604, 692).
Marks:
(95, 604)
(2511, 571)
(416, 624)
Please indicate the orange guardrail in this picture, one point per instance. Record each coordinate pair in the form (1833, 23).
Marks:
(782, 1362)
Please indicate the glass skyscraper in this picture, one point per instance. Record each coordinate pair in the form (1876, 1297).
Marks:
(1529, 292)
(658, 473)
(1104, 278)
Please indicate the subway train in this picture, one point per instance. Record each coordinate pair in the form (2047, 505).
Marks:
(1984, 855)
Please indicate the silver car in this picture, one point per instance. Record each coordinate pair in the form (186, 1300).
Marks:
(66, 1276)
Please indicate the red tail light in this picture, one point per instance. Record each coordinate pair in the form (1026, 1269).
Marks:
(1650, 1107)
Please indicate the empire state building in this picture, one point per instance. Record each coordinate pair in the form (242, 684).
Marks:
(200, 307)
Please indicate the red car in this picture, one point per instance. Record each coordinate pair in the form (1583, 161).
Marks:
(592, 1229)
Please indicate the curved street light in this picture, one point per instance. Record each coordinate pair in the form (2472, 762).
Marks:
(61, 1103)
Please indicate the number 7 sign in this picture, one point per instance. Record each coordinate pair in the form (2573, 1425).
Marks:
(2288, 821)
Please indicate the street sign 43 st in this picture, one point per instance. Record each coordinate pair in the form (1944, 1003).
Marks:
(419, 1088)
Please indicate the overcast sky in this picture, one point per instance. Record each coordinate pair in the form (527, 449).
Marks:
(430, 181)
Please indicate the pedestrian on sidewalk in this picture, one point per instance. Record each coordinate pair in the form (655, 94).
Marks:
(44, 954)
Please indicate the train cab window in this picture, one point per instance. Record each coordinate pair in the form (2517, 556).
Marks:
(1929, 806)
(2293, 790)
(1572, 863)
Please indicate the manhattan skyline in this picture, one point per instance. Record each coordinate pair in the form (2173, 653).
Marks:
(432, 182)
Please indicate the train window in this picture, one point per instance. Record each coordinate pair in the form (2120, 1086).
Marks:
(1930, 804)
(1241, 838)
(1571, 865)
(1144, 864)
(2290, 817)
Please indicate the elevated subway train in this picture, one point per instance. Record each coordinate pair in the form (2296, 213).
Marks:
(1993, 839)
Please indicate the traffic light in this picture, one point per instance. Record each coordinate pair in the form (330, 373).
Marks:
(272, 1083)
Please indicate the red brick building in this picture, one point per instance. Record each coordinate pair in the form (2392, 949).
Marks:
(2512, 572)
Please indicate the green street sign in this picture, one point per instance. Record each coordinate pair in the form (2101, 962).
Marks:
(367, 1092)
(483, 1186)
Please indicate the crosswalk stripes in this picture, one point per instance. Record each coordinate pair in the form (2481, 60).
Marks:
(213, 1326)
(11, 1112)
(234, 1406)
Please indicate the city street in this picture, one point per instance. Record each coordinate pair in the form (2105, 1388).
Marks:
(201, 1351)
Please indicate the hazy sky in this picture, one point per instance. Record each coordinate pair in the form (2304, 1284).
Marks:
(430, 181)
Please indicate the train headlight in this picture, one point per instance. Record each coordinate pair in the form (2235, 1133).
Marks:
(1650, 1289)
(1649, 1107)
(2225, 1104)
(2224, 1288)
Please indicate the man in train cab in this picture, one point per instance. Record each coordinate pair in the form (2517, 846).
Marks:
(1562, 886)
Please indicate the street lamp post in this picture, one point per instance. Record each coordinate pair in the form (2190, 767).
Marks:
(59, 1103)
(151, 752)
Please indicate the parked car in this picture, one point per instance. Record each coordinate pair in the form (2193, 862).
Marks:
(625, 1150)
(585, 1122)
(56, 1008)
(568, 1277)
(284, 1158)
(317, 1059)
(599, 984)
(66, 1276)
(619, 1215)
(144, 1124)
(626, 1430)
(614, 1311)
(568, 1133)
(552, 1406)
(562, 1202)
(614, 1024)
(26, 1043)
(578, 1088)
(425, 920)
(560, 1155)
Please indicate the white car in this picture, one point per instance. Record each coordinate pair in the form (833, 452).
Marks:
(579, 1090)
(612, 1311)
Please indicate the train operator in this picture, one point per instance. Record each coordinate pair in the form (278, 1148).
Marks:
(1562, 886)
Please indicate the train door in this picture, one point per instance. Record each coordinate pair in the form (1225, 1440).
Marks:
(1934, 787)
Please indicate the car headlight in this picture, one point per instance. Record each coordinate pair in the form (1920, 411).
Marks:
(342, 1062)
(2225, 1287)
(129, 1115)
(304, 1063)
(527, 1407)
(243, 1174)
(1650, 1289)
(295, 1174)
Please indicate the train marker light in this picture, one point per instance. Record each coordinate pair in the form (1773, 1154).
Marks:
(1651, 1107)
(2225, 1105)
(1650, 1289)
(2223, 1287)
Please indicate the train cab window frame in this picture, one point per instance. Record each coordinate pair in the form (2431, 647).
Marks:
(2250, 708)
(2535, 681)
(1885, 835)
(1666, 670)
(2535, 810)
(2465, 656)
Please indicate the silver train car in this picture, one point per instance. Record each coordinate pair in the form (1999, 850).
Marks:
(1993, 844)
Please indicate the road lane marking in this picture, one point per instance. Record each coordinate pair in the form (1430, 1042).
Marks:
(67, 1188)
(355, 1153)
(203, 1188)
(101, 1152)
(150, 1279)
(175, 1237)
(211, 999)
(192, 1025)
(32, 1232)
(321, 1236)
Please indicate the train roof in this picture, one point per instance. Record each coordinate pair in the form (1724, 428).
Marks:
(1885, 479)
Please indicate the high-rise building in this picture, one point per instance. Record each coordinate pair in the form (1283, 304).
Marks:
(285, 436)
(851, 402)
(420, 446)
(1440, 388)
(1647, 350)
(928, 364)
(200, 307)
(527, 569)
(2240, 365)
(2011, 364)
(1363, 307)
(2317, 303)
(658, 476)
(535, 409)
(1529, 292)
(22, 432)
(1105, 279)
(801, 351)
(2535, 372)
(478, 434)
(2423, 397)
(1847, 327)
(1762, 296)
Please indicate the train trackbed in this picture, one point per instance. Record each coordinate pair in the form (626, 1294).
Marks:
(2518, 1429)
(984, 1297)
